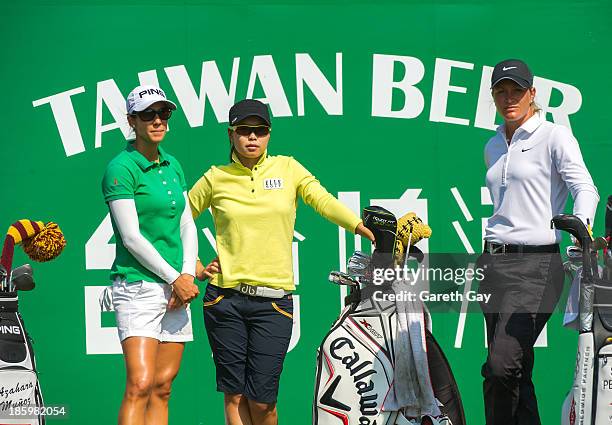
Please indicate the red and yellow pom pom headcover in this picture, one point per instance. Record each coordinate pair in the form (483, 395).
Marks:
(41, 242)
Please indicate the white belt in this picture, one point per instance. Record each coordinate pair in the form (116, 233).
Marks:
(260, 291)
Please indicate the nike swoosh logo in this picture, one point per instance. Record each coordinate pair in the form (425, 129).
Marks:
(525, 150)
(510, 67)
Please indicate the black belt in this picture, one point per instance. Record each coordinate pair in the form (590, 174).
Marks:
(500, 248)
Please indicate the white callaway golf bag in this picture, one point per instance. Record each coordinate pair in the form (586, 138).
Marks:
(356, 368)
(19, 387)
(589, 402)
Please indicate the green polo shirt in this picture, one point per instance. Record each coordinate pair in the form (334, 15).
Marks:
(157, 190)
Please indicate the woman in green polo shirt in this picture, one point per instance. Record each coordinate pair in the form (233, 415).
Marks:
(154, 267)
(248, 306)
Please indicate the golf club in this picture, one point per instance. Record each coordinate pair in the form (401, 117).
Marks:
(358, 263)
(340, 278)
(22, 278)
(3, 279)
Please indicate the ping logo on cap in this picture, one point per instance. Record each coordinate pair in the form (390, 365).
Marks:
(144, 96)
(151, 91)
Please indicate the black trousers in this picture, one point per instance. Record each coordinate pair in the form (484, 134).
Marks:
(524, 289)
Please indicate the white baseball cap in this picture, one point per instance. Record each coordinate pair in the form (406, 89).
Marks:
(142, 97)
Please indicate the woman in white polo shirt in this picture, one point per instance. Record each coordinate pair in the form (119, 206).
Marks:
(532, 166)
(154, 266)
(248, 306)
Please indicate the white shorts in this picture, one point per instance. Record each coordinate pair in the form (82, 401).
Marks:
(141, 310)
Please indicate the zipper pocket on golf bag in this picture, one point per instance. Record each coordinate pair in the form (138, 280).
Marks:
(604, 385)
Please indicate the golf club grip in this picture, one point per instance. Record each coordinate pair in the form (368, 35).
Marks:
(340, 278)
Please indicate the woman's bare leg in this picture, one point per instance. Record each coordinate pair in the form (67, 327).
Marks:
(237, 410)
(140, 355)
(169, 355)
(263, 413)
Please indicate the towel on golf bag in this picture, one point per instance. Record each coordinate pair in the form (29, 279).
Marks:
(571, 317)
(572, 306)
(412, 389)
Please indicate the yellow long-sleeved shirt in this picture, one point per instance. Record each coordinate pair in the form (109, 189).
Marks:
(254, 216)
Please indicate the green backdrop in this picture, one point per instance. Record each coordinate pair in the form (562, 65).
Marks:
(362, 136)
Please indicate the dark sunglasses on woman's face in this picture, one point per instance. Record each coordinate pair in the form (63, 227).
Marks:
(149, 114)
(246, 130)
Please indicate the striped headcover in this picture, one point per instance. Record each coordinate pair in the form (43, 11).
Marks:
(23, 230)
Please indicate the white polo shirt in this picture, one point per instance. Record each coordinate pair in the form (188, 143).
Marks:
(529, 181)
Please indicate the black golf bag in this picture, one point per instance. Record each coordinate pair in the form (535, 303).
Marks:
(19, 387)
(356, 360)
(21, 400)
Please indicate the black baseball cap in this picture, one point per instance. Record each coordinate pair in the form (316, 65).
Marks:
(512, 69)
(249, 108)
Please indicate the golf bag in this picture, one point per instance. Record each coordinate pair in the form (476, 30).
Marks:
(356, 360)
(589, 402)
(20, 396)
(19, 385)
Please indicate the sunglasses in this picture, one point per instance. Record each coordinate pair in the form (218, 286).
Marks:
(149, 114)
(246, 130)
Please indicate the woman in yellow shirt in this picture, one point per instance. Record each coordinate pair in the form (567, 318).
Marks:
(248, 305)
